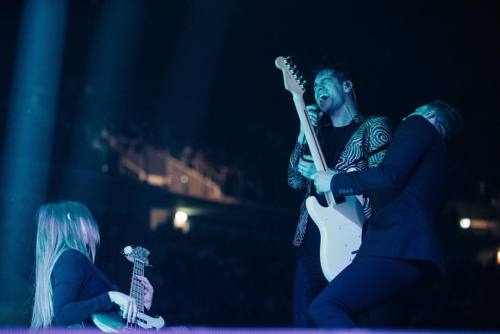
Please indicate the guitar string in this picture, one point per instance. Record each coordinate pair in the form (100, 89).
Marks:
(137, 289)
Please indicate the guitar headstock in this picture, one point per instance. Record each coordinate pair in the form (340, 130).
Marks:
(136, 254)
(294, 81)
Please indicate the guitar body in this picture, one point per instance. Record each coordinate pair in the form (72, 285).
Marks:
(111, 322)
(340, 227)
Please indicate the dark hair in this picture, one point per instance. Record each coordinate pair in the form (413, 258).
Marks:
(448, 117)
(340, 70)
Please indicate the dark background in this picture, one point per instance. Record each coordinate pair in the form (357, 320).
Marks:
(201, 73)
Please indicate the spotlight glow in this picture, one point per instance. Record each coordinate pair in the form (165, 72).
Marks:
(181, 221)
(465, 223)
(181, 217)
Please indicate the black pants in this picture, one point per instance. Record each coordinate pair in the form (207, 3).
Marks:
(366, 283)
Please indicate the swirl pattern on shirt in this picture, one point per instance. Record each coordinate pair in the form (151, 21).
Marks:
(358, 154)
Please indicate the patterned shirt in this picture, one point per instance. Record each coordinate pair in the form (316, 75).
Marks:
(365, 149)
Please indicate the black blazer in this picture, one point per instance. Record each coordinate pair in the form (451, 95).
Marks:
(414, 171)
(79, 288)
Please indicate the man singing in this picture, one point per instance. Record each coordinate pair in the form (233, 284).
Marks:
(349, 141)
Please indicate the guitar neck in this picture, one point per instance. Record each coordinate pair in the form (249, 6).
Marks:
(136, 287)
(312, 140)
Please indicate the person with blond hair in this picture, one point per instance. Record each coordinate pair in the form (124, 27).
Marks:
(400, 248)
(69, 288)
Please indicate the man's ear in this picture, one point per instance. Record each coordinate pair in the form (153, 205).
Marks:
(347, 86)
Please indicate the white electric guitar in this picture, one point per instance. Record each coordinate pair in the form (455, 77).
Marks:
(112, 322)
(340, 224)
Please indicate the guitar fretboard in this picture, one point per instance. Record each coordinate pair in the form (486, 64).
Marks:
(136, 287)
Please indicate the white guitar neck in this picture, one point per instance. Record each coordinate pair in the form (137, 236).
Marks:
(312, 140)
(295, 84)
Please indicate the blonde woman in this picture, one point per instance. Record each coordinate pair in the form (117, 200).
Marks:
(69, 288)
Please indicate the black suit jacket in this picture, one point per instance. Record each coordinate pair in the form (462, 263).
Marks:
(413, 175)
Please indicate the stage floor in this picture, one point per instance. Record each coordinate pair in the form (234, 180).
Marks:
(208, 330)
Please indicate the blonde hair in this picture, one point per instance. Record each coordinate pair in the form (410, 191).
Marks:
(60, 226)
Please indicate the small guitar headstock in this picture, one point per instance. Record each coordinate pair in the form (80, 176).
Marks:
(136, 254)
(294, 81)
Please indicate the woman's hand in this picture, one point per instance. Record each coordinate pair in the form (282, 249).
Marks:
(148, 291)
(127, 304)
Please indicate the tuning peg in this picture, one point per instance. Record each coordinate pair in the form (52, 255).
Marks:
(128, 250)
